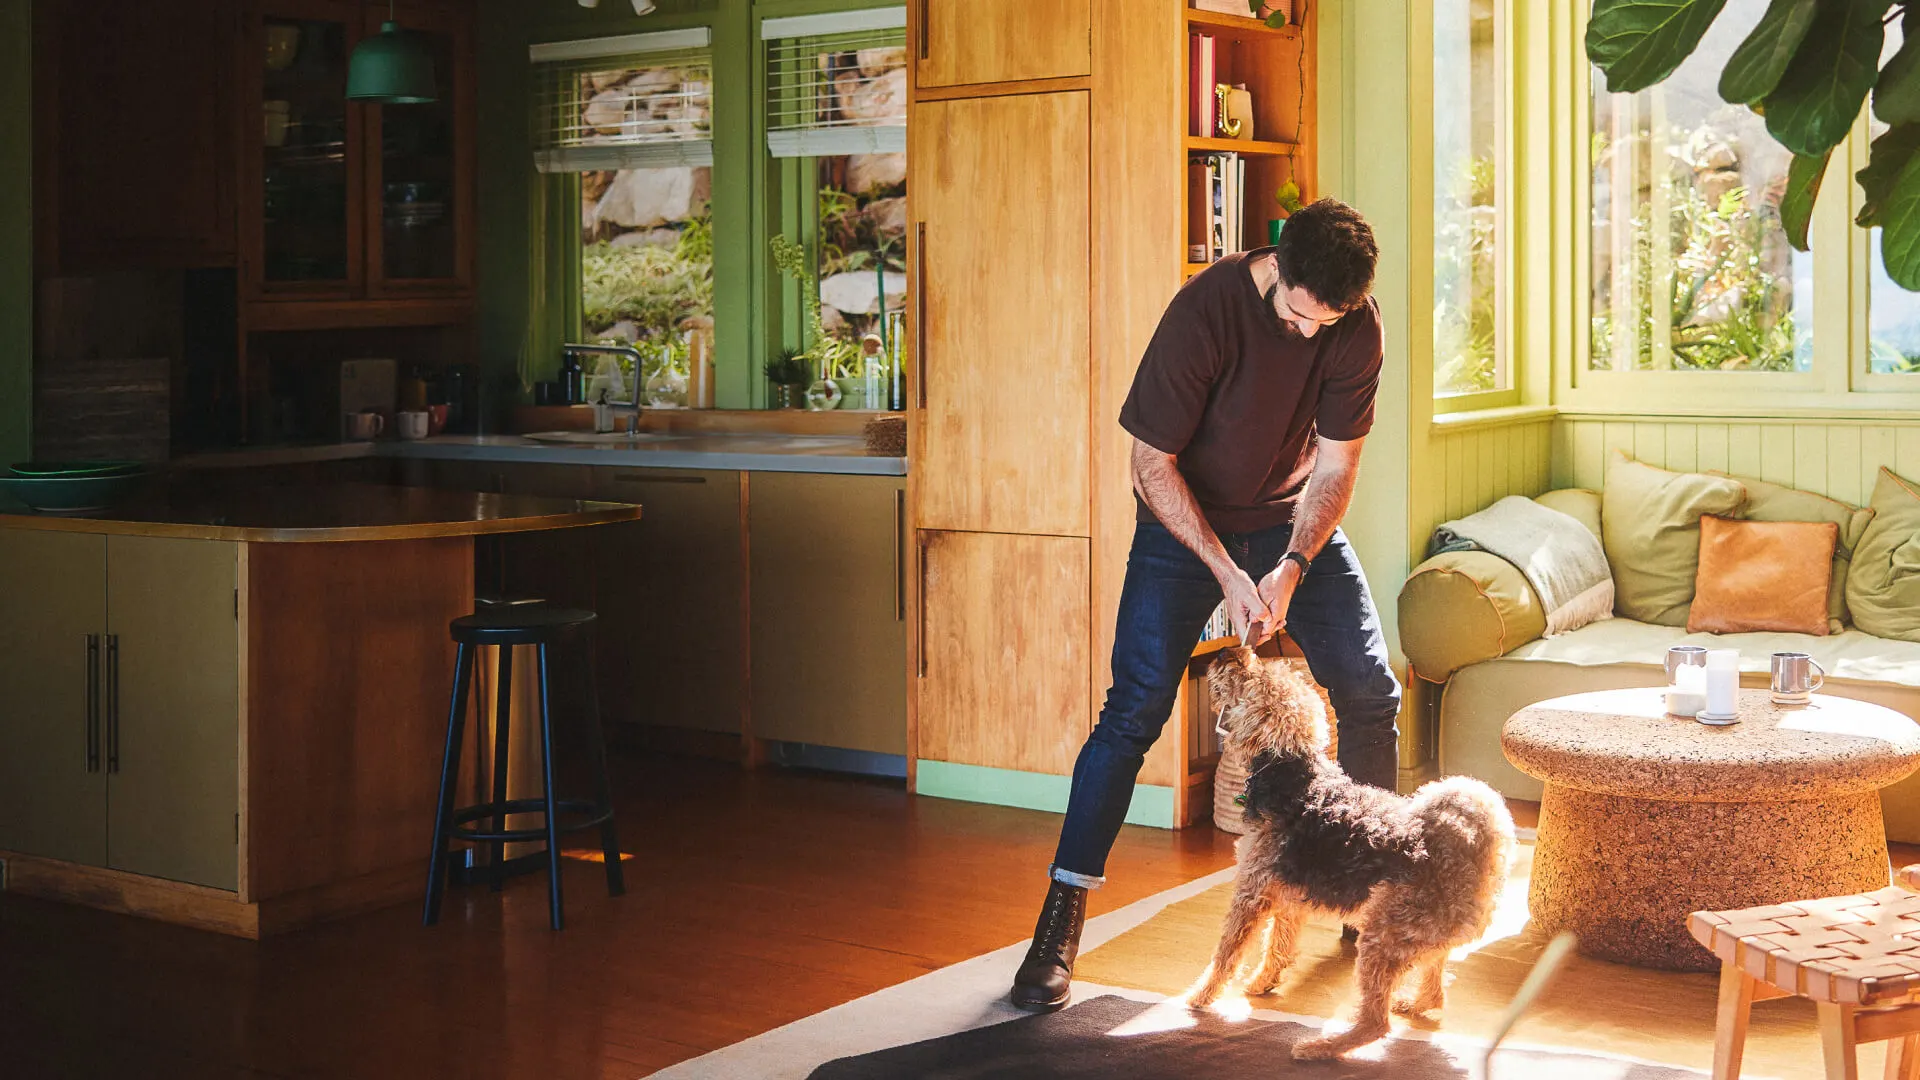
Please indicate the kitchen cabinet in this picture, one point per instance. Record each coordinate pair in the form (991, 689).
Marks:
(134, 134)
(828, 586)
(342, 201)
(124, 655)
(1004, 676)
(986, 41)
(1003, 402)
(671, 596)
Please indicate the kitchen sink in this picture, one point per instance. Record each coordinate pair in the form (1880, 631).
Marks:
(609, 438)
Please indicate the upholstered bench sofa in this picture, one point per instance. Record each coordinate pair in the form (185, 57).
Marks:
(1471, 626)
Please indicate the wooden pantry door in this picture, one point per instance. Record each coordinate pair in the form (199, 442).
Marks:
(1004, 679)
(962, 42)
(1000, 187)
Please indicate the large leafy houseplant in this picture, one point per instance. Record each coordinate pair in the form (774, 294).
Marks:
(1807, 67)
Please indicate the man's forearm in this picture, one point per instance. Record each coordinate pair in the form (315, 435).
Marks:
(1157, 479)
(1323, 505)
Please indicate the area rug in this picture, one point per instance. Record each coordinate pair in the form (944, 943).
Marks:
(1112, 1036)
(1152, 950)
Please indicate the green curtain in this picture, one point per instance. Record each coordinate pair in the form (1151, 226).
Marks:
(553, 276)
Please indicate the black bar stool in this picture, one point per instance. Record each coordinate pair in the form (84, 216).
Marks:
(503, 627)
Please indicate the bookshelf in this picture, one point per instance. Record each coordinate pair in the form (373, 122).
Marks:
(1277, 68)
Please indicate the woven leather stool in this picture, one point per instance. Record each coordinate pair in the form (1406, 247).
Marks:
(1857, 957)
(503, 627)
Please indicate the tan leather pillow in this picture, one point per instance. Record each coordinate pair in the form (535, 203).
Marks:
(1763, 576)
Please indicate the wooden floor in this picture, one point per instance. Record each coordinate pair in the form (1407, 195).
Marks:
(820, 889)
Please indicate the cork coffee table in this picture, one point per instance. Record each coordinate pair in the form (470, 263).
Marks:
(1648, 817)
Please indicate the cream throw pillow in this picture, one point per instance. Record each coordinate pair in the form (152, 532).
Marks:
(1883, 586)
(1650, 524)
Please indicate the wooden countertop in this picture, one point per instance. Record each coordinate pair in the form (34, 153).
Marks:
(336, 512)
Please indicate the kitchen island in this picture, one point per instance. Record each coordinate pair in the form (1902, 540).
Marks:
(225, 706)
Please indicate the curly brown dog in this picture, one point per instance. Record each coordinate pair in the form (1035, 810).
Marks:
(1417, 875)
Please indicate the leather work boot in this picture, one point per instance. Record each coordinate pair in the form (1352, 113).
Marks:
(1045, 978)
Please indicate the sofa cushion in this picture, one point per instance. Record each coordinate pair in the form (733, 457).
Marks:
(1763, 575)
(1577, 503)
(1851, 655)
(1650, 520)
(1777, 502)
(1462, 607)
(1883, 587)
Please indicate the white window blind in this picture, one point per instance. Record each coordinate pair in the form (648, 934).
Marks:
(637, 101)
(837, 83)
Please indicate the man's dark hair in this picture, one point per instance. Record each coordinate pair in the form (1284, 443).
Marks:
(1327, 249)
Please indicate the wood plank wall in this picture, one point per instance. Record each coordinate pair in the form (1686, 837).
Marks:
(1467, 470)
(1836, 458)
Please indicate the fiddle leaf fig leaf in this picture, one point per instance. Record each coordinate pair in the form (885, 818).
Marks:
(1827, 79)
(1896, 97)
(1796, 204)
(1755, 67)
(1900, 217)
(1886, 156)
(1639, 42)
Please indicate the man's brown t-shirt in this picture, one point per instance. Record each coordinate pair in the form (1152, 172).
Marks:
(1239, 399)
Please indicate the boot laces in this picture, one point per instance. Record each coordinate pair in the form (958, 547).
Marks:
(1051, 942)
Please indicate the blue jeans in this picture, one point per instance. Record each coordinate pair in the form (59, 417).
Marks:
(1168, 596)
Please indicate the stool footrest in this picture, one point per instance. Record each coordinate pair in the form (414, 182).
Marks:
(525, 806)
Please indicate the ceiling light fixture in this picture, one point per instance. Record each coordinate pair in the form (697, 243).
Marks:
(392, 67)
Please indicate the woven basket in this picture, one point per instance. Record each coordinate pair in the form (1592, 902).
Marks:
(1230, 776)
(886, 436)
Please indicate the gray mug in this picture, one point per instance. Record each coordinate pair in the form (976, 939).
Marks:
(1680, 656)
(1796, 676)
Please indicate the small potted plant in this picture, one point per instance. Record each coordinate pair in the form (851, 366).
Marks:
(787, 376)
(1289, 199)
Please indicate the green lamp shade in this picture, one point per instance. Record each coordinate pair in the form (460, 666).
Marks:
(391, 68)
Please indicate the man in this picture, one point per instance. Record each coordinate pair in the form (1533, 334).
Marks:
(1247, 413)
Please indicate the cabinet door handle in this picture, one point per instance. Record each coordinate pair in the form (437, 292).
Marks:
(923, 29)
(93, 703)
(900, 556)
(113, 703)
(920, 625)
(920, 313)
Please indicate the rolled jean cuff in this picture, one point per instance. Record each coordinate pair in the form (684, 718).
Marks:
(1068, 877)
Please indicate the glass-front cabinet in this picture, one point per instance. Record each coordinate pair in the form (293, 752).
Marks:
(348, 201)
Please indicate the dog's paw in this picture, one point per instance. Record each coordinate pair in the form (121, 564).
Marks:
(1413, 1005)
(1315, 1050)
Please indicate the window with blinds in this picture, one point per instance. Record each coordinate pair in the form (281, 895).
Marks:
(837, 83)
(637, 101)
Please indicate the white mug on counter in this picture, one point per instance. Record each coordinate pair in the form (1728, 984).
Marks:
(411, 424)
(362, 426)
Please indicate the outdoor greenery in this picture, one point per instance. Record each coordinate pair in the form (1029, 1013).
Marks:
(1465, 236)
(1807, 66)
(652, 286)
(832, 357)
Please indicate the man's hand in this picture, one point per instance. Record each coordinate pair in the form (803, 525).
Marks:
(1276, 592)
(1245, 609)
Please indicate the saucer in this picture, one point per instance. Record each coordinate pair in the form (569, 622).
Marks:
(1717, 719)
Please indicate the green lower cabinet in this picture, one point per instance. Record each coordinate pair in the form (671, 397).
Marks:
(53, 620)
(120, 667)
(829, 610)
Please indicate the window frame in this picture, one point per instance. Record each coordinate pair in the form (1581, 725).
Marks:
(1836, 383)
(1507, 243)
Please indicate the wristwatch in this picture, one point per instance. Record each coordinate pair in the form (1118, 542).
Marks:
(1294, 556)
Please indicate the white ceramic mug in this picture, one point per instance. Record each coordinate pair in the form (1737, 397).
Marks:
(362, 426)
(411, 424)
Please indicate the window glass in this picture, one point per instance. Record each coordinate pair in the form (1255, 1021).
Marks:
(861, 279)
(646, 238)
(1691, 269)
(1893, 313)
(1467, 74)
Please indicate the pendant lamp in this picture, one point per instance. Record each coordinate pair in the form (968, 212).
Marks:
(392, 67)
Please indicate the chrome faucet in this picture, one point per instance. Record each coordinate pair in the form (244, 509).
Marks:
(639, 363)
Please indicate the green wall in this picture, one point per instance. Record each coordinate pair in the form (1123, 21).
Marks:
(746, 294)
(16, 230)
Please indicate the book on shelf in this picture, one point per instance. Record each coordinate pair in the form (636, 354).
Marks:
(1203, 108)
(1216, 202)
(1223, 7)
(1218, 625)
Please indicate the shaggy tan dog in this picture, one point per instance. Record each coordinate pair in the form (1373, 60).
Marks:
(1416, 875)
